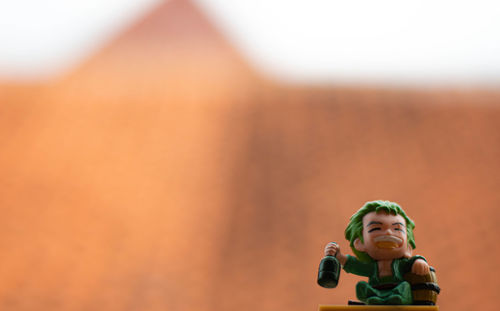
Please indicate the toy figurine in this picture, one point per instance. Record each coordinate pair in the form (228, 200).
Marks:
(381, 237)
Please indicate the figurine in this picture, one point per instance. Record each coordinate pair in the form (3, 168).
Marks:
(381, 237)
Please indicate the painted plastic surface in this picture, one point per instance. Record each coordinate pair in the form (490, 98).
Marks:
(381, 237)
(329, 272)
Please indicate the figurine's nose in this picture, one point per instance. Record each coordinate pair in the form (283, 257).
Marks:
(388, 231)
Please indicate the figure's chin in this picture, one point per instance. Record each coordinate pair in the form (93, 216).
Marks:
(387, 254)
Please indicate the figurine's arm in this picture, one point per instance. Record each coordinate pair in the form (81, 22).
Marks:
(333, 249)
(420, 267)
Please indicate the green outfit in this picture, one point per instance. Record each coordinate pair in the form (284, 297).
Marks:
(389, 290)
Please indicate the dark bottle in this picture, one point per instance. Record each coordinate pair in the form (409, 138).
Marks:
(329, 272)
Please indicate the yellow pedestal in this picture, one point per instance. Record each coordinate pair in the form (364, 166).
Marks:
(377, 308)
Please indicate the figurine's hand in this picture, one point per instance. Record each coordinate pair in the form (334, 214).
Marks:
(332, 249)
(420, 267)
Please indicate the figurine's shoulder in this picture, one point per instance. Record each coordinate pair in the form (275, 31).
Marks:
(406, 263)
(413, 258)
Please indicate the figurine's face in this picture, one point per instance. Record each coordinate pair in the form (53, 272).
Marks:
(384, 236)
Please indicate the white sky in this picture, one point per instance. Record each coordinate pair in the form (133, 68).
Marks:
(43, 38)
(383, 41)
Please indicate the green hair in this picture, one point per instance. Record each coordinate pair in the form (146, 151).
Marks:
(354, 229)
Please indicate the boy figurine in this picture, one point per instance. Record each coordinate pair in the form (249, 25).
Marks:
(381, 237)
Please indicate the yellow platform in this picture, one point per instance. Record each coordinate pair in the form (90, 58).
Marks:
(377, 308)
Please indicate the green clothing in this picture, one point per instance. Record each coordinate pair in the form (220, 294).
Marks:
(387, 290)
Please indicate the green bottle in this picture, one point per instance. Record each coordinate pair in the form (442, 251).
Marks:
(329, 272)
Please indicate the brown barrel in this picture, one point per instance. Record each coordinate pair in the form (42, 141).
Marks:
(423, 287)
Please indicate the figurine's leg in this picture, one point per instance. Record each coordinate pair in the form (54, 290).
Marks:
(375, 300)
(368, 294)
(400, 295)
(405, 291)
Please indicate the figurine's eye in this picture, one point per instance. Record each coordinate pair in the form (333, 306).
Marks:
(399, 229)
(374, 229)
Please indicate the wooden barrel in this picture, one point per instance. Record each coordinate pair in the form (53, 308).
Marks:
(424, 288)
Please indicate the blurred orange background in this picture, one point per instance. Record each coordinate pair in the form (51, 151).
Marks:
(166, 174)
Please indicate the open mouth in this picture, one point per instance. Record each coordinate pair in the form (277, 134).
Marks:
(387, 241)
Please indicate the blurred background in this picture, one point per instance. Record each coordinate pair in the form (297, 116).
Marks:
(199, 154)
